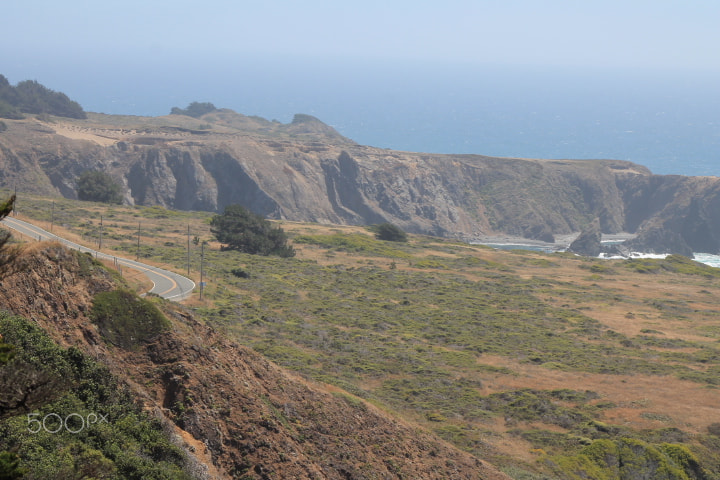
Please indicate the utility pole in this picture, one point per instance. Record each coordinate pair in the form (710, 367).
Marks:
(202, 264)
(137, 257)
(101, 234)
(52, 216)
(188, 253)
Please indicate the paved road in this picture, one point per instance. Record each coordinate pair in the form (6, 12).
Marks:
(167, 284)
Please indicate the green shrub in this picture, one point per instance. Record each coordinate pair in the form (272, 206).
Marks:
(628, 458)
(126, 320)
(352, 243)
(598, 268)
(95, 186)
(240, 273)
(674, 264)
(389, 232)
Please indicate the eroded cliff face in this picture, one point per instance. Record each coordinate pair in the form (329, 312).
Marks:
(674, 214)
(305, 171)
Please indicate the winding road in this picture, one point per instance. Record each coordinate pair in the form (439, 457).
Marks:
(166, 284)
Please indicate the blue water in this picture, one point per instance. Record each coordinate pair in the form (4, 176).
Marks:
(667, 121)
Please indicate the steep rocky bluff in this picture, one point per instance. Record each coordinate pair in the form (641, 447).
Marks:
(306, 171)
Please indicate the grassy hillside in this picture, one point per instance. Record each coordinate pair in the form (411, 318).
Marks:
(545, 364)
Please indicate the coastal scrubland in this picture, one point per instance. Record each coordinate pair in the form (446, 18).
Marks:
(543, 364)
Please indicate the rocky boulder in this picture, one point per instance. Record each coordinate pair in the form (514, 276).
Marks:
(588, 243)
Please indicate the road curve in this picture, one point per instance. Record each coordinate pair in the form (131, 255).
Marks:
(166, 284)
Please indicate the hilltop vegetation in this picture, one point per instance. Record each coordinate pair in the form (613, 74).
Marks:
(31, 97)
(546, 364)
(195, 109)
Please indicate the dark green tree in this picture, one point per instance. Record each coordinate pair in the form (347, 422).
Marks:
(8, 111)
(8, 100)
(195, 109)
(388, 231)
(10, 466)
(31, 97)
(96, 186)
(240, 229)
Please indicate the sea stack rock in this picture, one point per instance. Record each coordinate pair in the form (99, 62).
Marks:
(588, 242)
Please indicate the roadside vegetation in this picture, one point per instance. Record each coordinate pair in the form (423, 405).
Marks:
(544, 364)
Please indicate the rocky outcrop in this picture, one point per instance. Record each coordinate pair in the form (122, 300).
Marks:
(659, 240)
(588, 243)
(674, 214)
(305, 171)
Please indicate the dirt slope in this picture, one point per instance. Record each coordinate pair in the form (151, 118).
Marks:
(251, 417)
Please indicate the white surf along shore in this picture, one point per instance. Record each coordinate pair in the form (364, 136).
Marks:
(562, 242)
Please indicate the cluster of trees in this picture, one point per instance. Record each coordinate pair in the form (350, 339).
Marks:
(240, 229)
(93, 186)
(31, 97)
(195, 109)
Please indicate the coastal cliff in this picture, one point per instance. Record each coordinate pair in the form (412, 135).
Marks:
(306, 171)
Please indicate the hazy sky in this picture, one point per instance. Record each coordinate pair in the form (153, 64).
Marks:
(675, 34)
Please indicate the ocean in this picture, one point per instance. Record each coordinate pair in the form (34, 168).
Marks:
(667, 121)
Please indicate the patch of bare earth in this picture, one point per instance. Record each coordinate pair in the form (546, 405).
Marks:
(688, 405)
